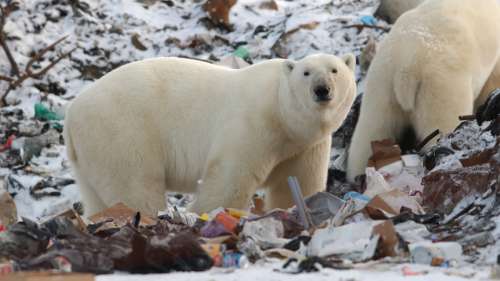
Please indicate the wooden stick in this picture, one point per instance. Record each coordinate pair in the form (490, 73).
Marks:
(5, 78)
(28, 72)
(426, 140)
(467, 117)
(361, 26)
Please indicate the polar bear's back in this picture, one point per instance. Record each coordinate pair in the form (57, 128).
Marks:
(449, 27)
(435, 39)
(166, 108)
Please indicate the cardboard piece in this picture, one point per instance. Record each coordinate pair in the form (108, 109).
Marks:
(48, 276)
(384, 152)
(388, 243)
(8, 211)
(121, 214)
(388, 204)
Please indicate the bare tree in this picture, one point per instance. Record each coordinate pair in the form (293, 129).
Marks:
(17, 77)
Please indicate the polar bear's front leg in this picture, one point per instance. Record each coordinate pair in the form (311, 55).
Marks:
(311, 169)
(228, 182)
(379, 119)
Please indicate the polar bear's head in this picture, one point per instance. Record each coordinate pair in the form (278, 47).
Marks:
(318, 89)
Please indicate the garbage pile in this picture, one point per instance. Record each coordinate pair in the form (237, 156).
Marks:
(437, 210)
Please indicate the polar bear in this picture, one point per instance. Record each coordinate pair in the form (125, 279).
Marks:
(439, 61)
(190, 126)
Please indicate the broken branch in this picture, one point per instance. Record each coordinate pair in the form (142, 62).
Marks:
(361, 26)
(29, 73)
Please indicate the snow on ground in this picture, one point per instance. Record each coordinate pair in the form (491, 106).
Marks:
(269, 272)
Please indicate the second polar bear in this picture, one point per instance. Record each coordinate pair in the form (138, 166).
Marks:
(438, 61)
(164, 124)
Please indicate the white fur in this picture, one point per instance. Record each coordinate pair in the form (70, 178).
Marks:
(163, 124)
(391, 10)
(437, 60)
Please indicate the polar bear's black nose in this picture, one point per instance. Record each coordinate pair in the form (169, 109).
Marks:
(322, 93)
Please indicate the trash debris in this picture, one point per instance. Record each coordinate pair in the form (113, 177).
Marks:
(241, 52)
(435, 253)
(49, 276)
(237, 260)
(49, 187)
(23, 240)
(412, 232)
(355, 241)
(44, 114)
(443, 189)
(218, 11)
(368, 20)
(304, 215)
(407, 271)
(384, 152)
(29, 147)
(269, 5)
(375, 183)
(137, 42)
(322, 206)
(267, 232)
(389, 204)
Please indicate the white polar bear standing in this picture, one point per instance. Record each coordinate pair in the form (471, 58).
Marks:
(163, 124)
(436, 62)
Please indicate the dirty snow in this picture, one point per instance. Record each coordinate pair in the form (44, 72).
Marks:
(268, 272)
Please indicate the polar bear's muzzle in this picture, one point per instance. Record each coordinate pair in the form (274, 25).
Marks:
(322, 94)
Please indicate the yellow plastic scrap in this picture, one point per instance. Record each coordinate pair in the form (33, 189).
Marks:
(204, 217)
(237, 213)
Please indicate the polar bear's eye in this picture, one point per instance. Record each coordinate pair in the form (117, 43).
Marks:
(334, 70)
(306, 73)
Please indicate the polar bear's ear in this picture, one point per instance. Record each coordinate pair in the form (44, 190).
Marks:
(289, 65)
(350, 61)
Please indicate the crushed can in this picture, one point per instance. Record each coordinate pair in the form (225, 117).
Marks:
(233, 259)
